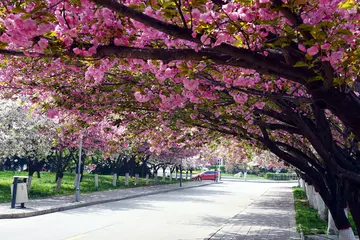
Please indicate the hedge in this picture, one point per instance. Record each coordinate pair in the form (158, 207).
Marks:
(281, 176)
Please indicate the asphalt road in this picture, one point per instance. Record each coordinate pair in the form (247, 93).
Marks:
(186, 214)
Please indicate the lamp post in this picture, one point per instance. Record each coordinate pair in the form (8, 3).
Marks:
(181, 173)
(215, 178)
(77, 194)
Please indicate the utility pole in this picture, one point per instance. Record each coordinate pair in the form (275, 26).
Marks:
(77, 194)
(181, 174)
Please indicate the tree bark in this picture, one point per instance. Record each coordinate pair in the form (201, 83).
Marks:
(155, 178)
(147, 179)
(96, 178)
(29, 182)
(320, 206)
(354, 205)
(346, 106)
(163, 175)
(127, 179)
(58, 184)
(114, 179)
(332, 229)
(136, 179)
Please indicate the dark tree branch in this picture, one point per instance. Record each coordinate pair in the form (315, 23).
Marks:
(257, 61)
(271, 126)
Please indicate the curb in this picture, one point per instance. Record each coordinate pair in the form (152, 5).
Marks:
(86, 204)
(257, 181)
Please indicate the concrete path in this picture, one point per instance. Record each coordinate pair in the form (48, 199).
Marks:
(271, 216)
(61, 203)
(190, 214)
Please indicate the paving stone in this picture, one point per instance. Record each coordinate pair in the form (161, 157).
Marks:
(271, 216)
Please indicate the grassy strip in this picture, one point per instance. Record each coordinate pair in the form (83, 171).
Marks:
(45, 186)
(307, 218)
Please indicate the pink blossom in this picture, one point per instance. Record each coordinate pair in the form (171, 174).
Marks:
(325, 46)
(313, 50)
(141, 98)
(222, 37)
(77, 51)
(206, 17)
(260, 105)
(196, 13)
(67, 41)
(52, 113)
(117, 41)
(193, 116)
(302, 48)
(228, 8)
(205, 39)
(43, 43)
(234, 16)
(191, 84)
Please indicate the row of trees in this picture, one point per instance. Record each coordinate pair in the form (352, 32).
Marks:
(35, 142)
(281, 76)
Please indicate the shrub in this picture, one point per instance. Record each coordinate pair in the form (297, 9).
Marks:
(281, 176)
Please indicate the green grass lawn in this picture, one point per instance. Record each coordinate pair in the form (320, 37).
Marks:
(307, 218)
(45, 186)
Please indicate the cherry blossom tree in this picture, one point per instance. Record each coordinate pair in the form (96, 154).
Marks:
(284, 75)
(24, 135)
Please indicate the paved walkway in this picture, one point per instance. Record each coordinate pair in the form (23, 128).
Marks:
(61, 203)
(271, 216)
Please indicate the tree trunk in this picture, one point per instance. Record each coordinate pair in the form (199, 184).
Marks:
(332, 229)
(171, 176)
(114, 179)
(320, 206)
(176, 174)
(354, 205)
(342, 225)
(186, 175)
(126, 179)
(310, 194)
(29, 182)
(38, 173)
(81, 171)
(58, 184)
(343, 105)
(302, 183)
(314, 200)
(163, 175)
(142, 170)
(147, 179)
(346, 234)
(136, 179)
(245, 174)
(155, 178)
(96, 181)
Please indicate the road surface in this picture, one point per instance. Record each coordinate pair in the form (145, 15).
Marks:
(193, 213)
